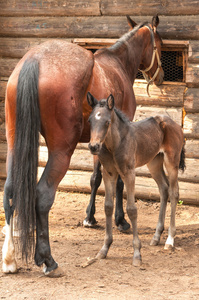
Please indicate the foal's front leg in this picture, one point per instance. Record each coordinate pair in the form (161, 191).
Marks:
(110, 185)
(129, 181)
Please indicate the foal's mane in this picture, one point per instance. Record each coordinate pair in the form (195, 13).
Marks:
(121, 115)
(124, 39)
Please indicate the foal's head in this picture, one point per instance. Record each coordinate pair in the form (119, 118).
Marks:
(151, 65)
(99, 120)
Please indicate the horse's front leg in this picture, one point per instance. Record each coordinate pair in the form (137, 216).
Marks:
(95, 182)
(110, 184)
(129, 181)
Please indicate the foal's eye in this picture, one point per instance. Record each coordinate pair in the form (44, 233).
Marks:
(107, 123)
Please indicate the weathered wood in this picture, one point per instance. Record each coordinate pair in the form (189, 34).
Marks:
(193, 53)
(2, 114)
(2, 132)
(165, 95)
(192, 148)
(49, 8)
(178, 27)
(7, 65)
(192, 75)
(17, 47)
(143, 112)
(3, 84)
(145, 7)
(191, 126)
(191, 100)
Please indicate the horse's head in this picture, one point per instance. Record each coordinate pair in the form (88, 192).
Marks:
(151, 65)
(99, 120)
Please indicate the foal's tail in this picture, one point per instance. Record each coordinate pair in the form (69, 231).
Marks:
(182, 164)
(25, 156)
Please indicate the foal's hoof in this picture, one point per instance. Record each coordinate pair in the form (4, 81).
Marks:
(123, 226)
(137, 261)
(58, 272)
(88, 223)
(154, 242)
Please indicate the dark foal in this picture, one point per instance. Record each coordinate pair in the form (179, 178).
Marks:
(123, 146)
(47, 94)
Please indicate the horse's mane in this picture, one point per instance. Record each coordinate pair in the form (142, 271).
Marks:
(124, 39)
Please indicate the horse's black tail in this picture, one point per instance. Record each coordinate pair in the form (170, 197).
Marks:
(182, 164)
(25, 156)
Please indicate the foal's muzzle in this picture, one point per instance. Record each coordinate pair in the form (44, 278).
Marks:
(94, 148)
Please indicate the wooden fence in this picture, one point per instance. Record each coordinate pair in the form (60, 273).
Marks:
(26, 23)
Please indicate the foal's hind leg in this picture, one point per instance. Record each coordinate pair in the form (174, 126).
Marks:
(157, 172)
(172, 169)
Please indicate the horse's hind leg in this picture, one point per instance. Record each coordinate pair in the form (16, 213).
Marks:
(55, 170)
(157, 172)
(95, 182)
(8, 250)
(120, 221)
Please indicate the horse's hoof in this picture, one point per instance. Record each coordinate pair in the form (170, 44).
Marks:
(137, 261)
(87, 223)
(10, 268)
(168, 247)
(56, 273)
(154, 242)
(123, 226)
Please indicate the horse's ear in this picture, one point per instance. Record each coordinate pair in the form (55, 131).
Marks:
(131, 23)
(110, 102)
(155, 22)
(91, 100)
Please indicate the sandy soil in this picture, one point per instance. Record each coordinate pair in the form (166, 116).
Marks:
(163, 274)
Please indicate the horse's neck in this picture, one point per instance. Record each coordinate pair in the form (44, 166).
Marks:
(132, 52)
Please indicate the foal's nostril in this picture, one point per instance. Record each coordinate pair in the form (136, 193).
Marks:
(94, 147)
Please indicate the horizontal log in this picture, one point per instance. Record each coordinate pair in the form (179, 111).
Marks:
(192, 75)
(193, 53)
(49, 8)
(145, 7)
(3, 84)
(145, 188)
(17, 47)
(191, 126)
(7, 65)
(2, 132)
(164, 95)
(191, 100)
(170, 27)
(192, 148)
(143, 112)
(2, 114)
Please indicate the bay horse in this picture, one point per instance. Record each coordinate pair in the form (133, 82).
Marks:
(122, 146)
(46, 93)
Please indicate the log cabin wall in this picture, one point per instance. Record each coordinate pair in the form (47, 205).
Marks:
(25, 23)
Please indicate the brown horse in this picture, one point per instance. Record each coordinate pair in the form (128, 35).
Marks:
(46, 93)
(123, 146)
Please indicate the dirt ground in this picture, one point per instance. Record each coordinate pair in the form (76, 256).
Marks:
(163, 274)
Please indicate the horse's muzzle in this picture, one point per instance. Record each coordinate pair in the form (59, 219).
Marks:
(94, 148)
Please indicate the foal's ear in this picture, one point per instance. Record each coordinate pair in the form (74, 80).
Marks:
(110, 102)
(91, 100)
(131, 23)
(155, 22)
